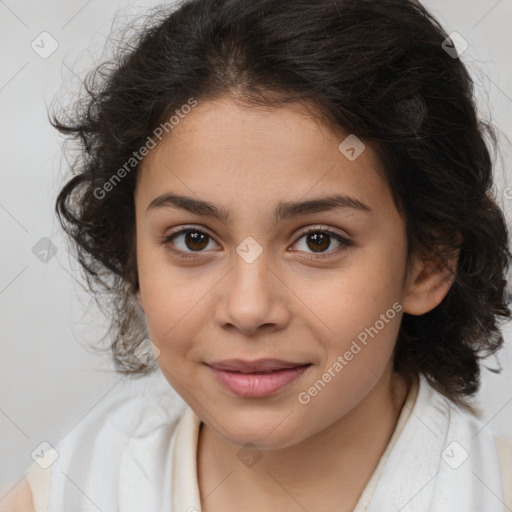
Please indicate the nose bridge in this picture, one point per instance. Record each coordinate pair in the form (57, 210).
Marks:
(251, 266)
(250, 298)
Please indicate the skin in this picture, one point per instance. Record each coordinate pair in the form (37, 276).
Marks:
(19, 499)
(283, 304)
(218, 306)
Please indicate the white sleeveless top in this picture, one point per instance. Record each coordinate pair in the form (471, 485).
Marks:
(136, 450)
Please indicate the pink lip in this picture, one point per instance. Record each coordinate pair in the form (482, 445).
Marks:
(258, 365)
(257, 385)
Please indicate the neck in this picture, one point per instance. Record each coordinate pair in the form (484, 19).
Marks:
(351, 447)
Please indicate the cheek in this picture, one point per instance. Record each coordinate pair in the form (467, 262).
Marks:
(176, 306)
(367, 285)
(165, 295)
(362, 304)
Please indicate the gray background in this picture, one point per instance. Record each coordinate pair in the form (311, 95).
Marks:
(49, 378)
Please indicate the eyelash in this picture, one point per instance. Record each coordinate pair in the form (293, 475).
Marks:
(315, 229)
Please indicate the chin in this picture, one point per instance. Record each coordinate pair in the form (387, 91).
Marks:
(264, 431)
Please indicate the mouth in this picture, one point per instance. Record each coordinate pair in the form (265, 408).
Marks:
(262, 366)
(257, 378)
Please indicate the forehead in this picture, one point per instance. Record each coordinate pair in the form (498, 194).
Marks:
(224, 150)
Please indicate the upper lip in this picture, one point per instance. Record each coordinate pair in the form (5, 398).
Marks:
(239, 365)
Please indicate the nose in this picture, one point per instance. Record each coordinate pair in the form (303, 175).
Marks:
(253, 297)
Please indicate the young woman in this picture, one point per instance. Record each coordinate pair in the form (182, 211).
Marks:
(290, 204)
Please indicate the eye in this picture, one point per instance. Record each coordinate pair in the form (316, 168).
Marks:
(319, 240)
(192, 240)
(195, 240)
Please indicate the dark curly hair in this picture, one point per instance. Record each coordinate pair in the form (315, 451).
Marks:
(378, 69)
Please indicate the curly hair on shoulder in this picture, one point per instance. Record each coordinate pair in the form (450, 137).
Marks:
(375, 69)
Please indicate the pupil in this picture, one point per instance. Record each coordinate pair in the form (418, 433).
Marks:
(195, 239)
(319, 239)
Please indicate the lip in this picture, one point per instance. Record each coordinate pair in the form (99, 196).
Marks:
(253, 385)
(258, 365)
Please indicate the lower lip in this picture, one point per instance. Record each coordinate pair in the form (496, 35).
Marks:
(256, 385)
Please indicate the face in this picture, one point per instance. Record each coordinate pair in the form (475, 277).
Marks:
(258, 285)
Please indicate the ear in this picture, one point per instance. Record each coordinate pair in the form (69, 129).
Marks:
(427, 283)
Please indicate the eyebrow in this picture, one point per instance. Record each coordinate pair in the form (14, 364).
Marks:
(283, 211)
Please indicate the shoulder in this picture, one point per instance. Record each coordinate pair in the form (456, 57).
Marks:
(135, 414)
(480, 441)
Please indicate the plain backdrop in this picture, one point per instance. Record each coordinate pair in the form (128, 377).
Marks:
(49, 378)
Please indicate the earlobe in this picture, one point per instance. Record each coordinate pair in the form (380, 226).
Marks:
(427, 284)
